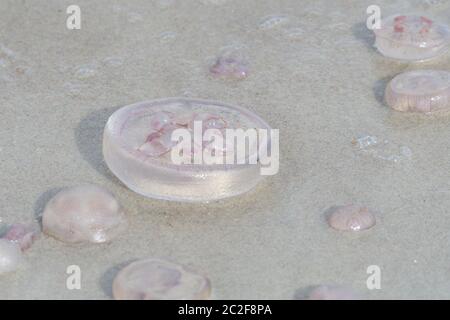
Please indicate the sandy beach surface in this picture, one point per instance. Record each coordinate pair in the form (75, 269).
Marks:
(314, 74)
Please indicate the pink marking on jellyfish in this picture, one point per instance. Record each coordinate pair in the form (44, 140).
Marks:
(209, 121)
(399, 23)
(159, 143)
(185, 118)
(229, 67)
(161, 119)
(23, 235)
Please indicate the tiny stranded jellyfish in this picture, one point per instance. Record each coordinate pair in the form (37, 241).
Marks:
(179, 149)
(419, 91)
(83, 214)
(23, 235)
(230, 64)
(331, 293)
(10, 256)
(411, 38)
(351, 218)
(155, 279)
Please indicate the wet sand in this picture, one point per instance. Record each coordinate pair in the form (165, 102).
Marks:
(315, 76)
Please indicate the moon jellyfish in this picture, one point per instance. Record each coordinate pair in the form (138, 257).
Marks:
(324, 292)
(230, 64)
(83, 214)
(419, 91)
(142, 148)
(22, 234)
(155, 279)
(411, 38)
(10, 256)
(351, 218)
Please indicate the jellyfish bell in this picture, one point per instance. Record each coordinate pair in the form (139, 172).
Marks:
(411, 38)
(84, 214)
(156, 279)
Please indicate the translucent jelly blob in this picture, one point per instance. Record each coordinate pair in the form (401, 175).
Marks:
(325, 292)
(10, 256)
(139, 148)
(230, 64)
(382, 149)
(411, 38)
(419, 91)
(22, 234)
(83, 214)
(351, 218)
(155, 279)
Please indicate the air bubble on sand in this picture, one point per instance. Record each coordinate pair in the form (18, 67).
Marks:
(167, 36)
(382, 149)
(273, 21)
(214, 2)
(73, 89)
(134, 17)
(294, 33)
(165, 3)
(85, 72)
(113, 61)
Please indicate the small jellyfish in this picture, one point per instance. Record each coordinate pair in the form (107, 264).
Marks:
(10, 256)
(23, 235)
(230, 64)
(325, 292)
(155, 279)
(83, 214)
(419, 91)
(351, 218)
(411, 38)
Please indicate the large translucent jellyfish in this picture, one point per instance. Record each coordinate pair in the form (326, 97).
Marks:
(139, 148)
(351, 218)
(411, 38)
(419, 91)
(84, 214)
(10, 256)
(155, 279)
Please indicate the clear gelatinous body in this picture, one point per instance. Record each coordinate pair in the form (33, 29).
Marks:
(137, 147)
(325, 292)
(10, 256)
(155, 279)
(351, 218)
(23, 235)
(83, 214)
(411, 38)
(419, 91)
(230, 64)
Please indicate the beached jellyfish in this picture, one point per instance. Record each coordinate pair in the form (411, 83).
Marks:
(351, 218)
(155, 279)
(411, 38)
(10, 256)
(230, 64)
(419, 91)
(138, 148)
(325, 292)
(83, 214)
(22, 234)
